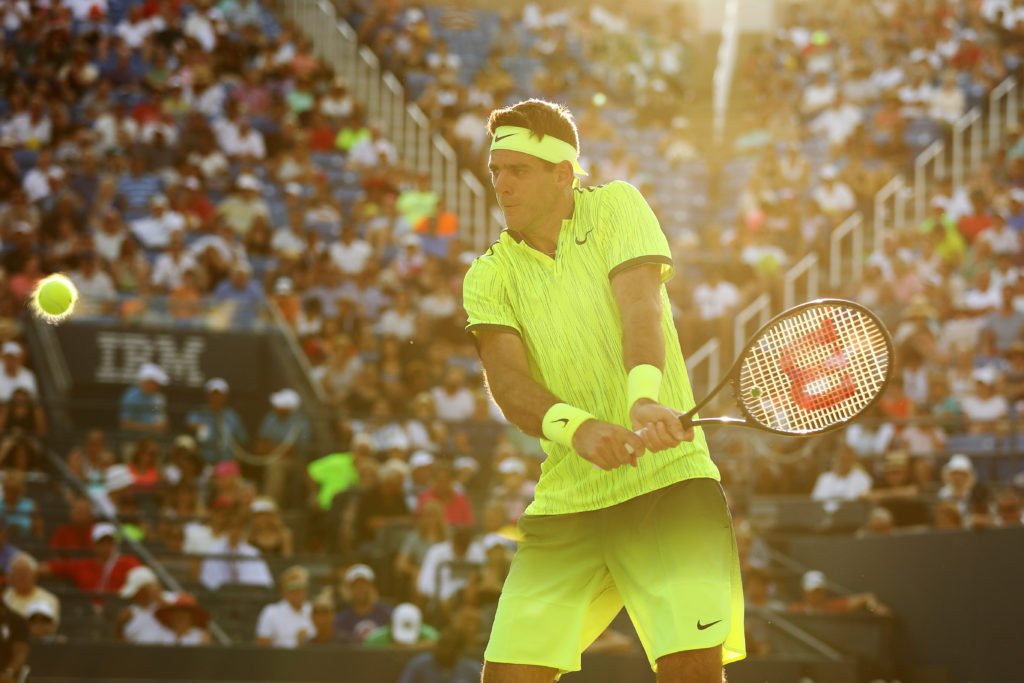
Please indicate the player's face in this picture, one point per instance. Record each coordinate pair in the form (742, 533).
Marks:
(526, 188)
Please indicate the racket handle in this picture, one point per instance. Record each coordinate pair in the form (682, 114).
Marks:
(687, 421)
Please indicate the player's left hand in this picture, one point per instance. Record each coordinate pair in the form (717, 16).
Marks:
(658, 425)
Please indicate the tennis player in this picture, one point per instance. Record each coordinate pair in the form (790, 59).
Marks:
(574, 330)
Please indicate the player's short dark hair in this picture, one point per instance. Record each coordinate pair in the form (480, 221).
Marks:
(541, 117)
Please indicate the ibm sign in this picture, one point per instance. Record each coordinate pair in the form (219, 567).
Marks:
(121, 354)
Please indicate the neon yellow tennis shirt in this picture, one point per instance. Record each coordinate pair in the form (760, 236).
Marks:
(566, 314)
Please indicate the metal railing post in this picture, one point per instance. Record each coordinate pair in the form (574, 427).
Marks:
(760, 308)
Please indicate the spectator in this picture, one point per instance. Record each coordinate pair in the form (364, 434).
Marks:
(443, 663)
(104, 572)
(22, 414)
(351, 254)
(42, 622)
(233, 561)
(1005, 323)
(715, 297)
(143, 407)
(457, 508)
(137, 623)
(93, 283)
(895, 490)
(144, 468)
(172, 264)
(421, 477)
(267, 532)
(383, 504)
(816, 600)
(879, 522)
(365, 611)
(514, 490)
(19, 510)
(217, 426)
(845, 481)
(406, 630)
(958, 481)
(241, 290)
(324, 614)
(157, 229)
(15, 374)
(948, 103)
(118, 483)
(431, 528)
(76, 534)
(1009, 508)
(833, 197)
(185, 466)
(242, 207)
(282, 438)
(985, 407)
(22, 592)
(438, 577)
(453, 401)
(184, 620)
(288, 622)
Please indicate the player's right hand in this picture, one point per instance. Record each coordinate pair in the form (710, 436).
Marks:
(607, 445)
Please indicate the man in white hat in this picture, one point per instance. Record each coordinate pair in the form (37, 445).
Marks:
(834, 198)
(284, 433)
(406, 630)
(985, 406)
(217, 426)
(242, 207)
(143, 407)
(816, 600)
(240, 288)
(105, 572)
(155, 229)
(234, 561)
(42, 622)
(366, 612)
(137, 623)
(15, 375)
(514, 490)
(288, 622)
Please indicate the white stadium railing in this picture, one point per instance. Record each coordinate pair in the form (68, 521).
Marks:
(704, 366)
(760, 311)
(406, 125)
(800, 283)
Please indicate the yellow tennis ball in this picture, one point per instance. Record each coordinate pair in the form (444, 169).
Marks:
(54, 298)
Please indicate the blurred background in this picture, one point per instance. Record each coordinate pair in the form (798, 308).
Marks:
(263, 435)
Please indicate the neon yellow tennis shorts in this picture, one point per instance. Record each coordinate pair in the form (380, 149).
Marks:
(669, 556)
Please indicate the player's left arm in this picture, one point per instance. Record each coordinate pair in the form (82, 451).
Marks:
(639, 262)
(637, 292)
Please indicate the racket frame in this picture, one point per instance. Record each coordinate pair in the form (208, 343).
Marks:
(733, 377)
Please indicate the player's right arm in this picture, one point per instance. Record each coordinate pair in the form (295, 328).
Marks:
(525, 402)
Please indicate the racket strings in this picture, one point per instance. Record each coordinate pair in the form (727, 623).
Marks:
(819, 367)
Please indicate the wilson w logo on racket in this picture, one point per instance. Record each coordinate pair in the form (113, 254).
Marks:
(819, 384)
(810, 369)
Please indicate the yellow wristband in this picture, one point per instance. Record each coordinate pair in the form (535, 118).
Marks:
(561, 422)
(644, 382)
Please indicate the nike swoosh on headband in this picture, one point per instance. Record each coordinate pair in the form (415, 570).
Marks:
(504, 136)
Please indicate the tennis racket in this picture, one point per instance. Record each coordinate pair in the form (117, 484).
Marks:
(809, 370)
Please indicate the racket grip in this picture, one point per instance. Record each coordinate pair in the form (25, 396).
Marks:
(686, 420)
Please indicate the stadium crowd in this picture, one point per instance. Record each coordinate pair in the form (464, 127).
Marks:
(198, 165)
